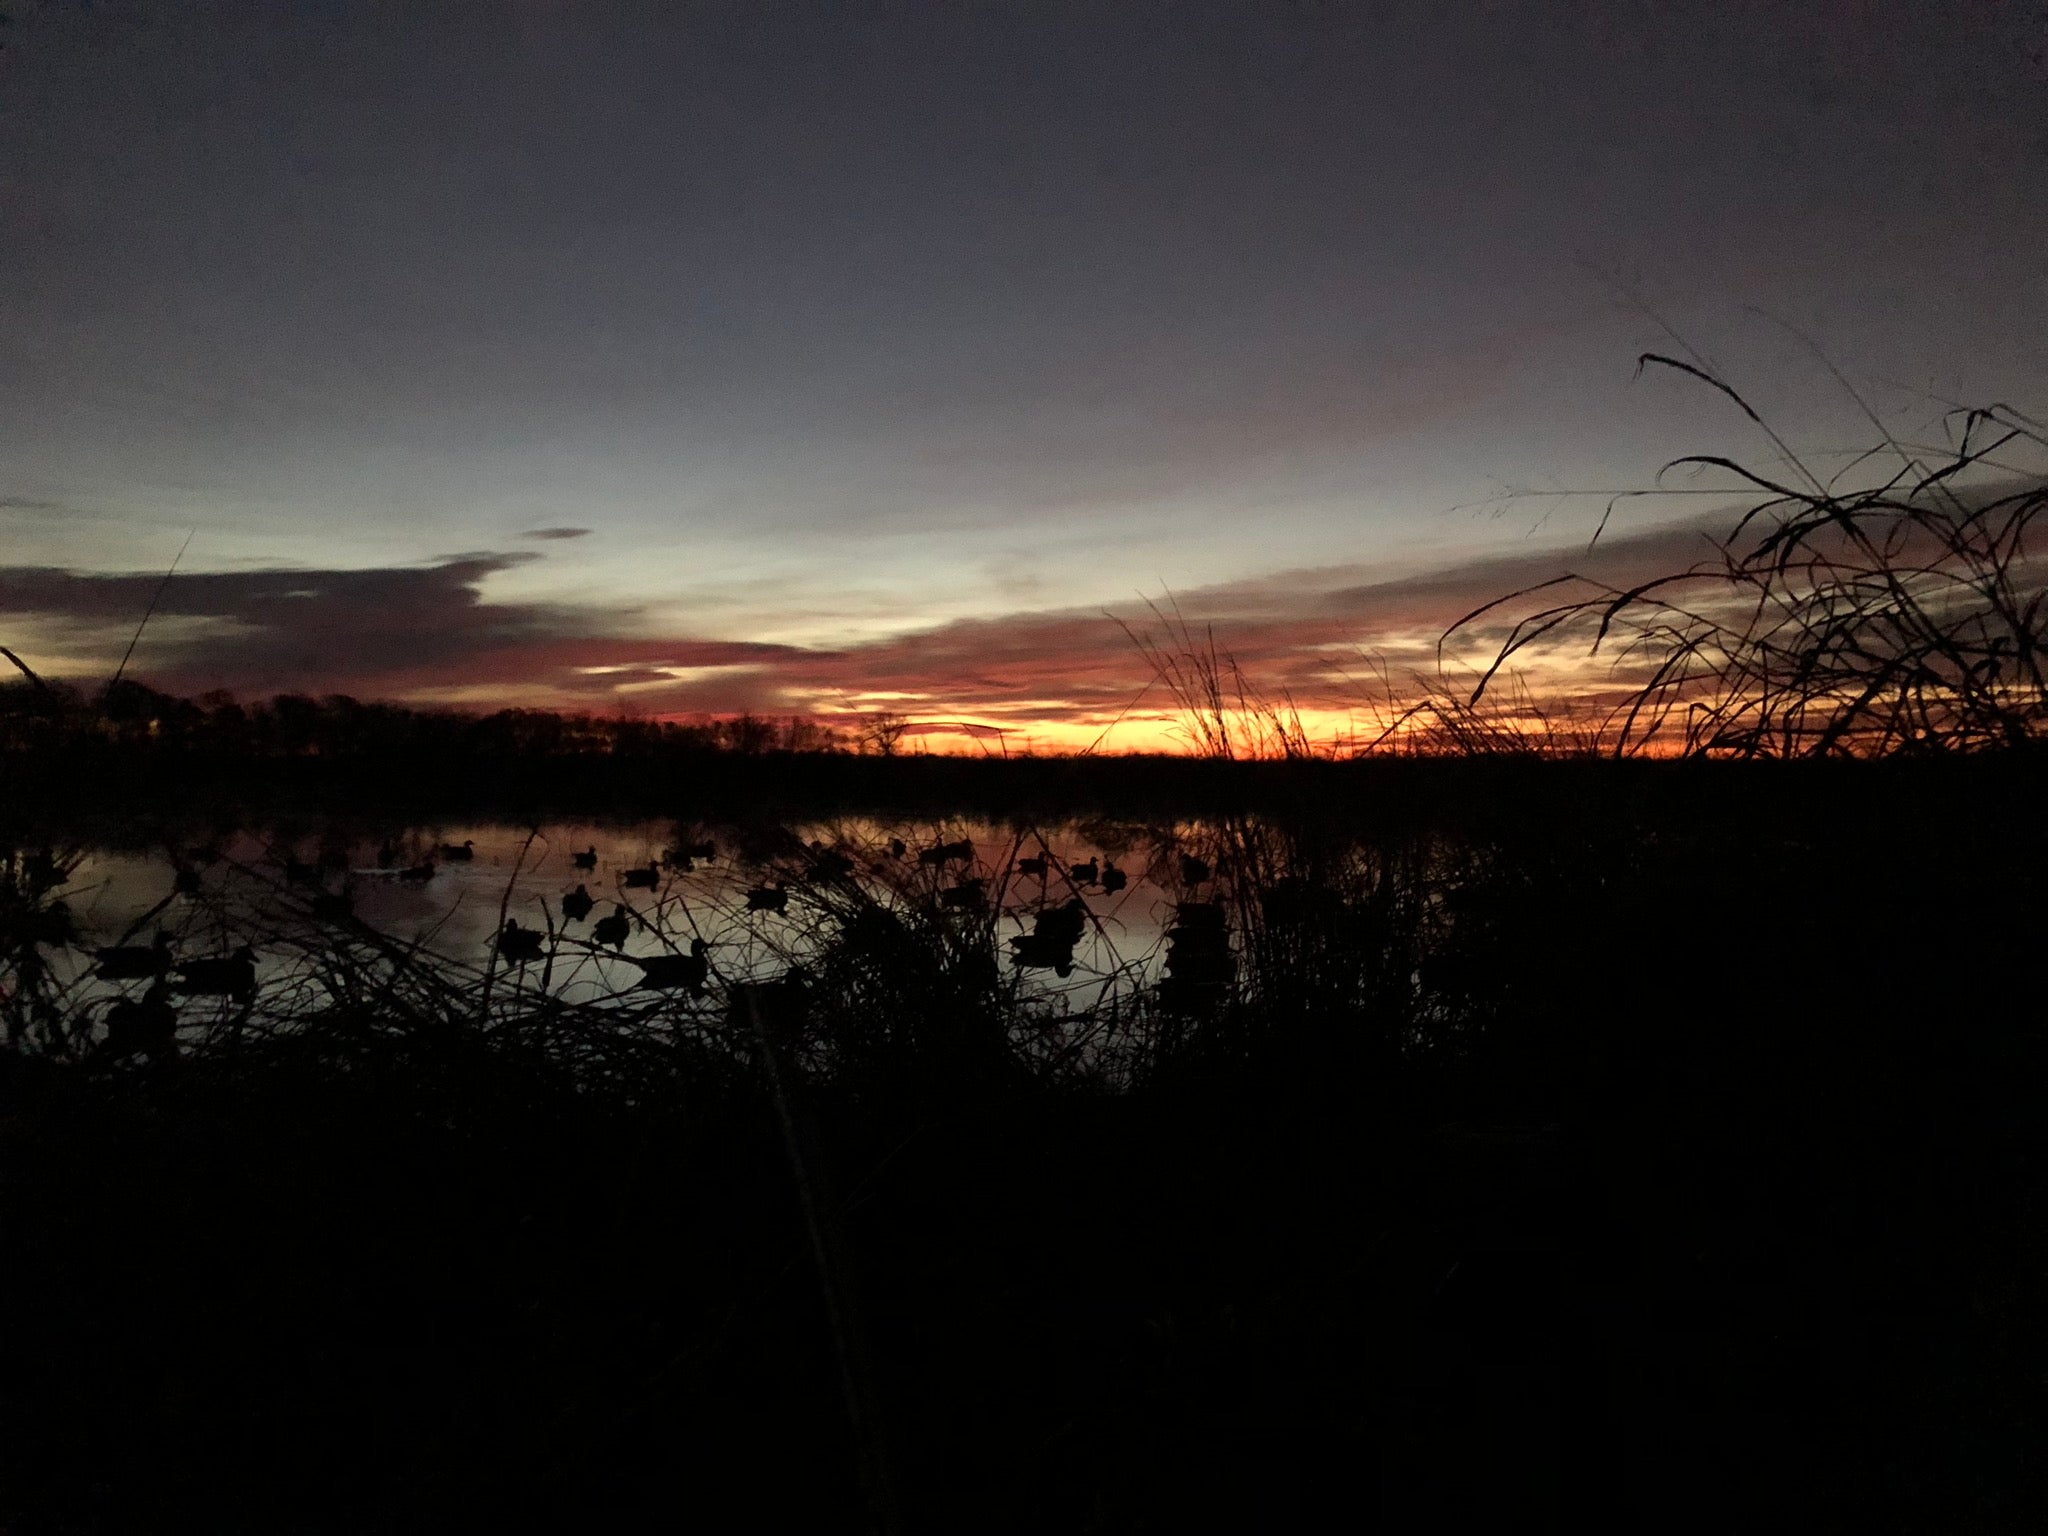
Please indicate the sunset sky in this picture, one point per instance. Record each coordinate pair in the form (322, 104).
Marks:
(828, 358)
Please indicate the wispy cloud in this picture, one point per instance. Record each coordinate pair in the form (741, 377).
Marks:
(555, 533)
(429, 632)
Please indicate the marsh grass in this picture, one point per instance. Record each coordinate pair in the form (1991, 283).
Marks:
(1483, 1091)
(1893, 606)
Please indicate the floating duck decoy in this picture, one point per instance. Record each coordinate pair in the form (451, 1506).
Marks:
(829, 863)
(131, 962)
(967, 893)
(767, 898)
(1054, 933)
(1113, 879)
(147, 1025)
(613, 930)
(677, 859)
(518, 944)
(1084, 874)
(898, 848)
(229, 976)
(1193, 871)
(587, 859)
(576, 904)
(670, 973)
(459, 853)
(946, 853)
(420, 873)
(1033, 866)
(642, 879)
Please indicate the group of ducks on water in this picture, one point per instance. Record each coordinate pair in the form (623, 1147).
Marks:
(148, 1024)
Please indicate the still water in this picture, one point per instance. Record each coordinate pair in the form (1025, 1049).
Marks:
(758, 899)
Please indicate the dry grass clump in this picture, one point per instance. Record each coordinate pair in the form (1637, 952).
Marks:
(1836, 619)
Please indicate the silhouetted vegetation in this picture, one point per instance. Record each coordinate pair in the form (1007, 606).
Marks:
(1902, 614)
(1497, 1135)
(1578, 1095)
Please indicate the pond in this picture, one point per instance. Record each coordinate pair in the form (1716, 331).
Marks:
(755, 901)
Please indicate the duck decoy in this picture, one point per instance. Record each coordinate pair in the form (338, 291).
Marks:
(587, 859)
(146, 1026)
(459, 853)
(131, 962)
(966, 893)
(1054, 933)
(420, 873)
(1193, 871)
(670, 973)
(1113, 879)
(613, 930)
(518, 944)
(946, 853)
(677, 859)
(642, 879)
(576, 904)
(829, 863)
(898, 848)
(228, 976)
(1033, 866)
(767, 898)
(1084, 874)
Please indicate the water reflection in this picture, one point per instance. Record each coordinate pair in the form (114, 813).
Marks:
(581, 910)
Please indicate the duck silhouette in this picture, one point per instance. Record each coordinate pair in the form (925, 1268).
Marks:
(1084, 874)
(1113, 879)
(642, 879)
(672, 973)
(145, 1026)
(459, 853)
(576, 904)
(131, 962)
(587, 859)
(518, 944)
(613, 930)
(767, 898)
(227, 976)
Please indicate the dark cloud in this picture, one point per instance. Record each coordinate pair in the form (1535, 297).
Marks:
(422, 632)
(555, 533)
(378, 631)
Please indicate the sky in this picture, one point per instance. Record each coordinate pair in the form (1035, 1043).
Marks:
(830, 359)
